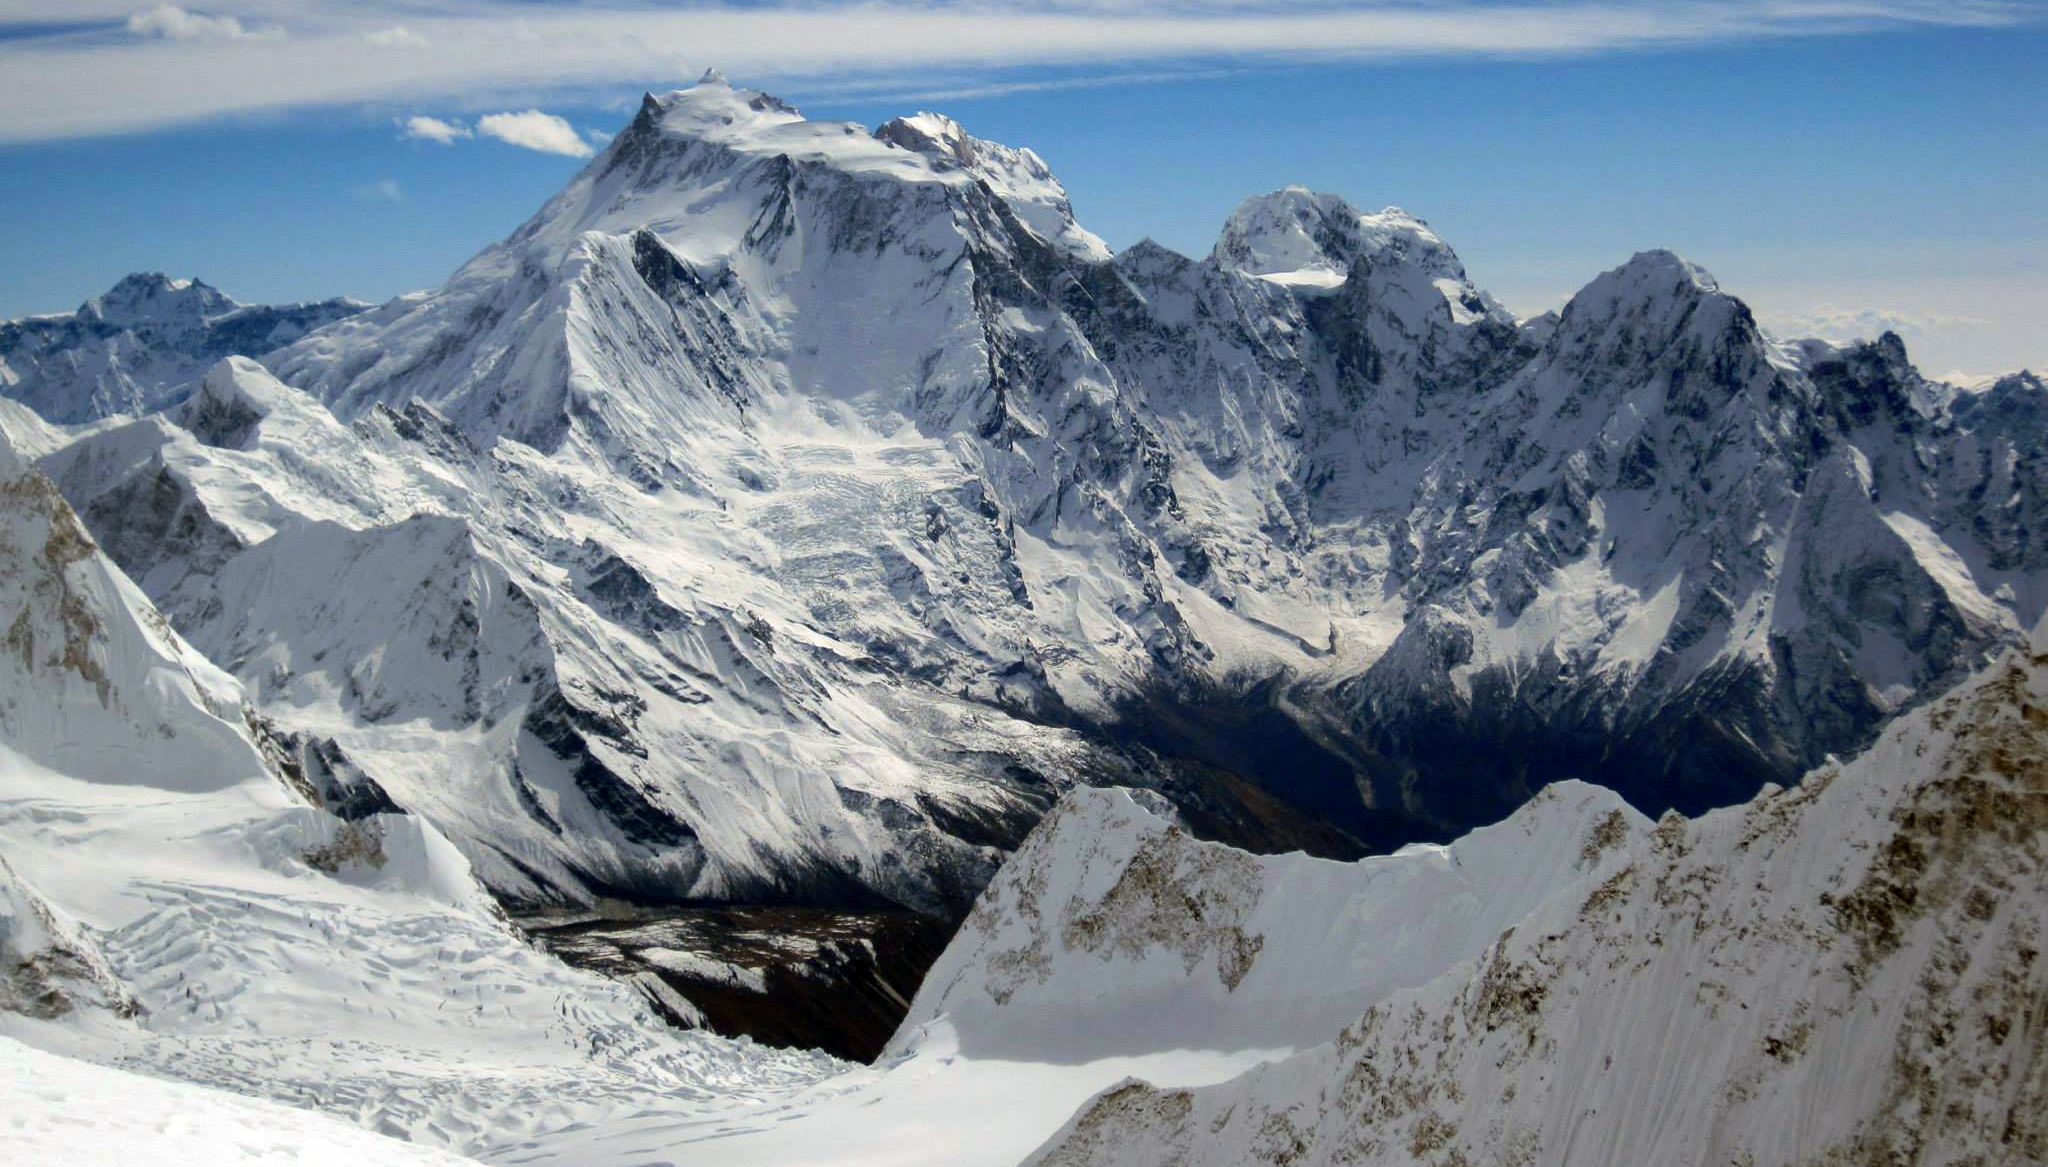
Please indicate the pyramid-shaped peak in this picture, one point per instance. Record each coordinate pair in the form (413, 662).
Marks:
(1651, 281)
(1660, 265)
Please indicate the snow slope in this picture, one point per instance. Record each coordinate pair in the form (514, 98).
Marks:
(61, 1110)
(1113, 932)
(173, 901)
(480, 633)
(1843, 971)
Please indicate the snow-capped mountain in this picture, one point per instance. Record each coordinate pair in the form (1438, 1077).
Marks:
(1843, 971)
(790, 512)
(142, 345)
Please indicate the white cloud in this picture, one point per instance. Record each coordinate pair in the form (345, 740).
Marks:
(384, 190)
(397, 37)
(533, 130)
(171, 22)
(432, 129)
(598, 137)
(192, 66)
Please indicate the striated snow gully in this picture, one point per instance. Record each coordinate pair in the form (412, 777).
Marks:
(787, 515)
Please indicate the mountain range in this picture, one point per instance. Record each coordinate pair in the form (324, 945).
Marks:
(1614, 736)
(142, 345)
(788, 512)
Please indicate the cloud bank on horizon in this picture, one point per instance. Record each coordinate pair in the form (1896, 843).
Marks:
(113, 66)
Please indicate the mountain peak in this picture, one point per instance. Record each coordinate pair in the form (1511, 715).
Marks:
(717, 109)
(1660, 264)
(932, 134)
(1648, 279)
(155, 298)
(1296, 235)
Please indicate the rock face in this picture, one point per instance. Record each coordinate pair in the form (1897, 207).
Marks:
(142, 345)
(801, 978)
(1846, 971)
(789, 513)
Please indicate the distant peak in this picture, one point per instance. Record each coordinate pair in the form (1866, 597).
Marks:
(153, 297)
(1148, 258)
(155, 283)
(149, 281)
(712, 76)
(1657, 290)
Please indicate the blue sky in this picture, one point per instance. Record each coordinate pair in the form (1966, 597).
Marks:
(1890, 170)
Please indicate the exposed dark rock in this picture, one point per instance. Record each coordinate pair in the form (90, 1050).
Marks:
(795, 977)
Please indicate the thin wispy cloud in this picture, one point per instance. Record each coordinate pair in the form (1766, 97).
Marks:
(533, 130)
(192, 64)
(384, 190)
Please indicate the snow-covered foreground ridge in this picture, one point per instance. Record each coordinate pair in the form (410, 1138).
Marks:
(1112, 943)
(1113, 932)
(791, 512)
(1846, 971)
